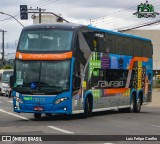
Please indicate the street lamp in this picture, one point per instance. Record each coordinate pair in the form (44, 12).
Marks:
(12, 17)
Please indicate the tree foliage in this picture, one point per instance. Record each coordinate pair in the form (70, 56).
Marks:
(7, 67)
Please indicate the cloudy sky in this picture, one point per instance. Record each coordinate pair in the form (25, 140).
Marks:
(114, 15)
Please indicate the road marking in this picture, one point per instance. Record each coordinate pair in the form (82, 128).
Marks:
(62, 130)
(13, 114)
(155, 126)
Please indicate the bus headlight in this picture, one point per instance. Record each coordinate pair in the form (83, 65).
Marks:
(60, 100)
(18, 99)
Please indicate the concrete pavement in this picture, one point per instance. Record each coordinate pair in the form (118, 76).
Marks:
(102, 123)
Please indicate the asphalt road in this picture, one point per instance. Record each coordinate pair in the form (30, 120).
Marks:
(102, 123)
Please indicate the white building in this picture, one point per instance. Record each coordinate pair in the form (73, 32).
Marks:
(154, 35)
(45, 19)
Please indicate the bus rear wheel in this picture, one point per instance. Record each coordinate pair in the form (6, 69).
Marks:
(37, 115)
(138, 105)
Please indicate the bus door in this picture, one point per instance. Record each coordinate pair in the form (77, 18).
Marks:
(98, 87)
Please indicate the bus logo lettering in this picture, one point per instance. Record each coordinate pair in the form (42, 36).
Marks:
(104, 84)
(42, 56)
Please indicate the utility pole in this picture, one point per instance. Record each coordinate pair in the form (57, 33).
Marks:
(24, 13)
(39, 10)
(3, 45)
(42, 11)
(39, 15)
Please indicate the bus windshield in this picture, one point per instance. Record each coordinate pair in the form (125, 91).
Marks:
(44, 77)
(6, 76)
(45, 40)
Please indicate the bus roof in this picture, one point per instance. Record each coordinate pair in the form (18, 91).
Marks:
(119, 33)
(70, 26)
(55, 25)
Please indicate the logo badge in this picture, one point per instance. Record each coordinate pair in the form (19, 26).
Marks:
(145, 10)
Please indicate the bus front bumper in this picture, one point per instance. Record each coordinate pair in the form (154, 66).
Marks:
(61, 108)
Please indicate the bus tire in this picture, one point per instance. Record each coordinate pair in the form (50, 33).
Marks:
(87, 108)
(37, 115)
(131, 109)
(138, 104)
(90, 106)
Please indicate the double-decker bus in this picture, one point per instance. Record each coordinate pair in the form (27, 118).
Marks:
(69, 68)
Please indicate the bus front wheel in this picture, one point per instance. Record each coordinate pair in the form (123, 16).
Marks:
(135, 104)
(87, 108)
(37, 115)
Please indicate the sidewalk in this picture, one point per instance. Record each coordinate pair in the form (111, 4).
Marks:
(155, 98)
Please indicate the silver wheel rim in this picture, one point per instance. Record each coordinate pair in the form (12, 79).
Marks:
(138, 104)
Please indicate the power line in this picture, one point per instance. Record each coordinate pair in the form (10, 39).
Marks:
(122, 14)
(119, 12)
(37, 2)
(123, 30)
(11, 20)
(49, 2)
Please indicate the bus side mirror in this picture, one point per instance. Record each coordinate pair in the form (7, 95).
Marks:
(76, 82)
(11, 81)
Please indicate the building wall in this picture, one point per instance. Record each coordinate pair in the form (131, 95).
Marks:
(154, 35)
(45, 19)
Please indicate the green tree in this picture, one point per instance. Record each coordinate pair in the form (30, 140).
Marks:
(7, 67)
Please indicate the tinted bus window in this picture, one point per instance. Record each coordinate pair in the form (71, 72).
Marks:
(129, 46)
(111, 41)
(45, 40)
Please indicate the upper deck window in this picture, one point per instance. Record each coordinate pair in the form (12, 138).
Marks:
(45, 40)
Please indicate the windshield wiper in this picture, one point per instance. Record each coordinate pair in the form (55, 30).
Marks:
(49, 91)
(43, 84)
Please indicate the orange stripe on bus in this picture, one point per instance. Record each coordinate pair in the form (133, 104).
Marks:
(137, 59)
(60, 56)
(115, 91)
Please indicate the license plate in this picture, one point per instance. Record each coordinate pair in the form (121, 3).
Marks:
(38, 108)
